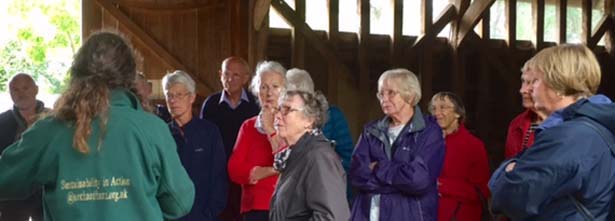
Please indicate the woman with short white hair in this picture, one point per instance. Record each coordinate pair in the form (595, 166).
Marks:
(398, 158)
(251, 163)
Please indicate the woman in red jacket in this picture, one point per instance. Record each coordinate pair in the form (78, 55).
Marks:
(463, 181)
(251, 163)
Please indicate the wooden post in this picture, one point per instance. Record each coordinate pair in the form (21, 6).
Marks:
(561, 7)
(609, 10)
(511, 23)
(92, 17)
(538, 17)
(298, 41)
(459, 72)
(334, 24)
(395, 49)
(427, 16)
(586, 6)
(363, 59)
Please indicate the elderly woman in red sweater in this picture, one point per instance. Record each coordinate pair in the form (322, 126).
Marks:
(251, 163)
(465, 173)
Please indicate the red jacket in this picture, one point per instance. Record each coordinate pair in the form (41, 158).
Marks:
(464, 173)
(516, 132)
(252, 149)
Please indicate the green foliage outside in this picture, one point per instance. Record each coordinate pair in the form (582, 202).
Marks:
(41, 40)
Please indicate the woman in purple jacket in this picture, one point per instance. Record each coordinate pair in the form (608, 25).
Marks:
(398, 158)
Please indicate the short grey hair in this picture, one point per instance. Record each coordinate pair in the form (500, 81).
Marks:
(315, 105)
(406, 81)
(264, 67)
(179, 77)
(299, 79)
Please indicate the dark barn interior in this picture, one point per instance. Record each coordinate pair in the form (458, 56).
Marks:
(196, 35)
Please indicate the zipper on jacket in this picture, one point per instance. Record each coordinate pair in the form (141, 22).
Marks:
(420, 209)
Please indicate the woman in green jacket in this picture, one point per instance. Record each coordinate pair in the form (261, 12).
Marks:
(99, 156)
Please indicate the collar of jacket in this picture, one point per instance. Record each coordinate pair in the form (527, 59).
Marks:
(124, 98)
(307, 138)
(21, 122)
(380, 128)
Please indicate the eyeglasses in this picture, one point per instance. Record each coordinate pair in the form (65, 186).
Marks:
(227, 74)
(178, 96)
(386, 93)
(285, 110)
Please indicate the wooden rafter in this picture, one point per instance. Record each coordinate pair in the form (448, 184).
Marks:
(150, 43)
(322, 47)
(471, 17)
(446, 17)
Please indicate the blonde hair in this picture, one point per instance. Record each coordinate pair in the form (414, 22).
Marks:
(407, 83)
(569, 69)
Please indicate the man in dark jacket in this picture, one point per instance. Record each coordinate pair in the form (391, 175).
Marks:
(13, 123)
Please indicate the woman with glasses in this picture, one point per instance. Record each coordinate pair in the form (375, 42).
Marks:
(463, 181)
(312, 183)
(251, 163)
(398, 158)
(200, 148)
(99, 156)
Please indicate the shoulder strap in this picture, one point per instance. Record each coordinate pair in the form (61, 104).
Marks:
(609, 138)
(582, 209)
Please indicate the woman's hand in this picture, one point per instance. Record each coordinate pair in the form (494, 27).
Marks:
(267, 118)
(259, 173)
(510, 166)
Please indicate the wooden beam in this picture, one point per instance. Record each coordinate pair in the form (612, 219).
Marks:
(203, 88)
(511, 23)
(486, 22)
(322, 47)
(603, 25)
(446, 17)
(609, 9)
(363, 58)
(92, 18)
(471, 17)
(396, 40)
(586, 7)
(426, 16)
(333, 33)
(168, 5)
(298, 41)
(560, 16)
(538, 17)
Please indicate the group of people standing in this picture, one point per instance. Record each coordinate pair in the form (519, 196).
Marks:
(279, 151)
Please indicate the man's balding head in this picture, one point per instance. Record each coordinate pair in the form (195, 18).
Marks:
(23, 91)
(234, 74)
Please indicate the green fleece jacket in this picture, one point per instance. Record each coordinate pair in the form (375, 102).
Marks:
(134, 174)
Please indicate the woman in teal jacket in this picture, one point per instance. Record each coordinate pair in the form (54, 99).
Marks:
(99, 156)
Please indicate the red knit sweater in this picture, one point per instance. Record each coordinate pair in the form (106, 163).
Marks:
(464, 173)
(252, 149)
